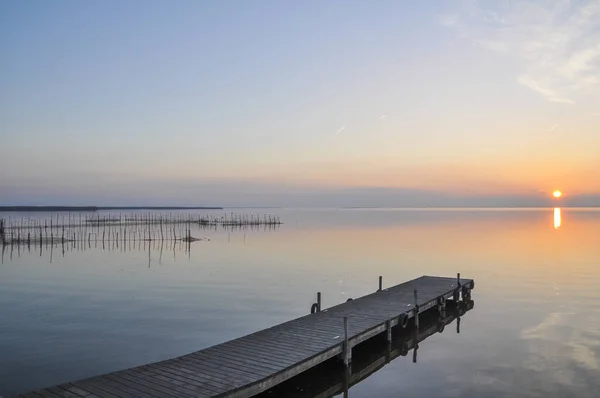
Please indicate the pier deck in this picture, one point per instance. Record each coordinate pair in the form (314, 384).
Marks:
(257, 362)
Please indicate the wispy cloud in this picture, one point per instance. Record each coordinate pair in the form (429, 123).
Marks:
(553, 128)
(557, 43)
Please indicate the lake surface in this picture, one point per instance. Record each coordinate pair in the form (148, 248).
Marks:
(534, 331)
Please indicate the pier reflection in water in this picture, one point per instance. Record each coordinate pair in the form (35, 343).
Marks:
(332, 379)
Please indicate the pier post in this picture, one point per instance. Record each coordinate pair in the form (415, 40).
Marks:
(346, 381)
(415, 344)
(347, 350)
(388, 328)
(416, 311)
(380, 283)
(318, 301)
(456, 294)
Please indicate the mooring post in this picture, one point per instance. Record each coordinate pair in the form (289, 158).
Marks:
(388, 328)
(416, 311)
(347, 349)
(318, 301)
(458, 279)
(380, 282)
(415, 344)
(346, 381)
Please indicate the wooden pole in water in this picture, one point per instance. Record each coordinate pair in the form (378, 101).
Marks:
(2, 233)
(380, 282)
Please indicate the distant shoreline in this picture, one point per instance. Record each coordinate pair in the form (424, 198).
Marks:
(97, 208)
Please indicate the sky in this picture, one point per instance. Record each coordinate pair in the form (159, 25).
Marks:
(306, 103)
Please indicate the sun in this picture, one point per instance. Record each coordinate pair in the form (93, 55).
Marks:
(557, 194)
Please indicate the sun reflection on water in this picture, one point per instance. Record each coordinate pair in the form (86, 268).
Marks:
(557, 218)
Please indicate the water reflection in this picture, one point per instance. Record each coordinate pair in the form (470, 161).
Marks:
(49, 251)
(557, 218)
(331, 379)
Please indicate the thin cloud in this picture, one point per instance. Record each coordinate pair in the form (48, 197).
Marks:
(557, 43)
(547, 92)
(553, 128)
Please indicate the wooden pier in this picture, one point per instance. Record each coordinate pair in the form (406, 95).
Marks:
(329, 379)
(260, 361)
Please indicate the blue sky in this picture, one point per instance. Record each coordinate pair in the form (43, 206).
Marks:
(157, 99)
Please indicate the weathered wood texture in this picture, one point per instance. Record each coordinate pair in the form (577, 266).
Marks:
(257, 362)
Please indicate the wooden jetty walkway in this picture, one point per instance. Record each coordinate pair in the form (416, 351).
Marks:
(257, 362)
(329, 379)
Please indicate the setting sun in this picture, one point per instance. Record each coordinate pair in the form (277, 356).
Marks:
(557, 194)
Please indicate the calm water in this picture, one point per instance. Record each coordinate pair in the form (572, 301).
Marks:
(535, 331)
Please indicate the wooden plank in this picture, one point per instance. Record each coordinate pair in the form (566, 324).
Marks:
(211, 381)
(148, 380)
(76, 390)
(199, 360)
(86, 385)
(59, 392)
(258, 361)
(45, 393)
(108, 386)
(220, 368)
(135, 387)
(234, 353)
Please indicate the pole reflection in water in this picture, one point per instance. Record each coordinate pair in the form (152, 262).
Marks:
(557, 218)
(332, 378)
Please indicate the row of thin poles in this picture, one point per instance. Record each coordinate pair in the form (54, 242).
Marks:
(71, 220)
(35, 231)
(137, 227)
